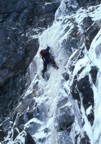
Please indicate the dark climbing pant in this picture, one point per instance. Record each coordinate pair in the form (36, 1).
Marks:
(46, 63)
(45, 66)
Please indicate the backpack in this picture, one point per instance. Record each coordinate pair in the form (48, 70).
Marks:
(43, 52)
(48, 48)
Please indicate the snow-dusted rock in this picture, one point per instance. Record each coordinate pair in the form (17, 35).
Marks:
(64, 118)
(62, 110)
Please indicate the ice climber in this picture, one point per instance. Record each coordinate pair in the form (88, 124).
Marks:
(47, 60)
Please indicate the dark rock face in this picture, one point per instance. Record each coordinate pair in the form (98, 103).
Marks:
(87, 22)
(64, 116)
(90, 30)
(64, 138)
(90, 117)
(23, 13)
(85, 139)
(88, 2)
(83, 86)
(90, 34)
(87, 92)
(44, 13)
(74, 89)
(93, 72)
(16, 48)
(1, 133)
(10, 92)
(16, 53)
(15, 133)
(71, 43)
(29, 139)
(65, 76)
(16, 12)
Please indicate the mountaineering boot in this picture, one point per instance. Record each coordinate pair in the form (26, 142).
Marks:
(43, 75)
(55, 66)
